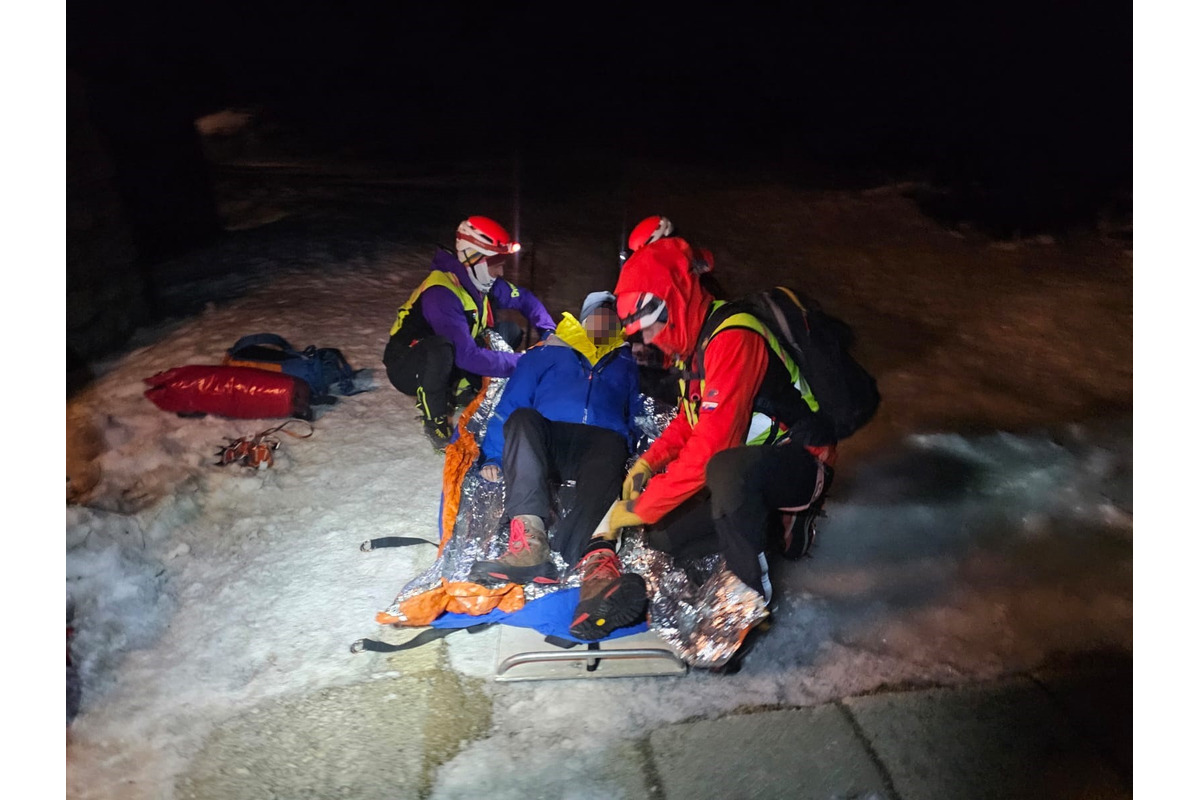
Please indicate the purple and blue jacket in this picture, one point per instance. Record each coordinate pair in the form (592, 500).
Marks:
(437, 309)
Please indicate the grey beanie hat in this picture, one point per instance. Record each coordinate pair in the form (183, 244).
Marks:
(594, 301)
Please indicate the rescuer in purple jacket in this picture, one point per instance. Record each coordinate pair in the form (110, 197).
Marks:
(434, 352)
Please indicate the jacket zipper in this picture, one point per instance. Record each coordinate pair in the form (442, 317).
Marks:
(587, 402)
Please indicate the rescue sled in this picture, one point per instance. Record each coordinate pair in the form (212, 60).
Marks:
(699, 613)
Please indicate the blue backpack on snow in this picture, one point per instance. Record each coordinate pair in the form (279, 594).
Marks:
(324, 369)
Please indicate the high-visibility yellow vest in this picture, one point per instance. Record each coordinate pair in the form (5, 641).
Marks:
(763, 429)
(450, 281)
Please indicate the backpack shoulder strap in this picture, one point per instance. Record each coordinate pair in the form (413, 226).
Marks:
(748, 314)
(781, 324)
(737, 314)
(722, 311)
(261, 339)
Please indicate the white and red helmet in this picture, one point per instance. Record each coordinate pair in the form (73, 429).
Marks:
(651, 229)
(642, 312)
(481, 242)
(482, 237)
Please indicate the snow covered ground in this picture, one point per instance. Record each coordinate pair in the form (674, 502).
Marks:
(981, 526)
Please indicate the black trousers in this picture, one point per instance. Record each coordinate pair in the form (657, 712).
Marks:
(739, 510)
(425, 369)
(539, 454)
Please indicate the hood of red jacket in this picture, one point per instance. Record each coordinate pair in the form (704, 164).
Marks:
(666, 269)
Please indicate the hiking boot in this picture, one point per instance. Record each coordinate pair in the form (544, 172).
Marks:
(800, 528)
(464, 394)
(437, 431)
(607, 599)
(527, 559)
(799, 534)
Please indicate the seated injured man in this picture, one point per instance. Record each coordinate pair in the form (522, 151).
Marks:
(566, 414)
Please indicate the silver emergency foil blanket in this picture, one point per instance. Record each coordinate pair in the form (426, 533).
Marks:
(703, 610)
(700, 608)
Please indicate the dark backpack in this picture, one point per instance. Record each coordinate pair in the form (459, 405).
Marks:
(324, 369)
(820, 345)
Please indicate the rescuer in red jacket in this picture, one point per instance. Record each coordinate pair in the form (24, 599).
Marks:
(743, 450)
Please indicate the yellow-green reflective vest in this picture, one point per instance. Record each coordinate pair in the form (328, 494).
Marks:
(451, 282)
(763, 428)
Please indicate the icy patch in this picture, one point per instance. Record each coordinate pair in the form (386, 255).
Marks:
(117, 591)
(963, 558)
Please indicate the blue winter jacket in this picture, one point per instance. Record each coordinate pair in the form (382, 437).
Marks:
(562, 385)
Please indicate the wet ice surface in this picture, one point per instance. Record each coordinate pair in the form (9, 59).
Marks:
(981, 524)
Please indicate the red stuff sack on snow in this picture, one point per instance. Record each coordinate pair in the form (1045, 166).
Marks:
(241, 392)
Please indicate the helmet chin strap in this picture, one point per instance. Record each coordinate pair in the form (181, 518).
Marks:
(482, 284)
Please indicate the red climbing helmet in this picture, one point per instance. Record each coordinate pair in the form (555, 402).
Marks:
(482, 237)
(651, 229)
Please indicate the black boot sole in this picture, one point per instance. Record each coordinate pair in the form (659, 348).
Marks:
(495, 573)
(618, 606)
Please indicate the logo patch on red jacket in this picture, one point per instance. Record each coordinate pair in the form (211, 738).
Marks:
(708, 405)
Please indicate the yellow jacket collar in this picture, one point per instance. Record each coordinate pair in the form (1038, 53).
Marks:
(572, 332)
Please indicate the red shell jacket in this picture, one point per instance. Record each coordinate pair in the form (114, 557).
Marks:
(734, 365)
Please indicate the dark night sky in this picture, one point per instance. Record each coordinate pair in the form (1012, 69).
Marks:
(974, 88)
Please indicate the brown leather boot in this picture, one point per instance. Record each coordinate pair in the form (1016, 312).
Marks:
(608, 599)
(527, 559)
